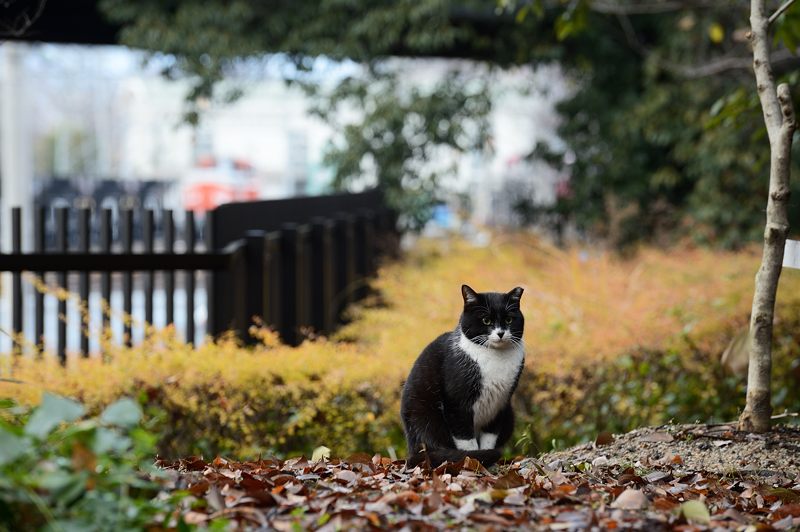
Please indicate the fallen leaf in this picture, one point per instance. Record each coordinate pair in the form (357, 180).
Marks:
(662, 503)
(489, 518)
(630, 499)
(785, 495)
(657, 437)
(199, 488)
(655, 476)
(193, 463)
(432, 502)
(630, 478)
(515, 499)
(783, 524)
(347, 476)
(792, 510)
(437, 482)
(374, 519)
(470, 464)
(510, 480)
(320, 453)
(195, 518)
(604, 438)
(355, 458)
(215, 499)
(696, 511)
(484, 496)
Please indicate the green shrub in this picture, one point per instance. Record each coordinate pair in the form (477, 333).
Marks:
(647, 388)
(58, 472)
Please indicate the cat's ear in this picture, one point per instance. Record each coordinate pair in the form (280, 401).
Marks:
(515, 294)
(470, 295)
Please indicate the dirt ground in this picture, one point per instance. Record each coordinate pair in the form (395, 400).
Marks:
(713, 448)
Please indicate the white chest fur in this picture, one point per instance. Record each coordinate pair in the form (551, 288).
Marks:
(499, 369)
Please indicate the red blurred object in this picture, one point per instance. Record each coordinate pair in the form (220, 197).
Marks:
(212, 183)
(205, 196)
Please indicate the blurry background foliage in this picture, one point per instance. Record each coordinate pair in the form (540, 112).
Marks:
(662, 135)
(612, 344)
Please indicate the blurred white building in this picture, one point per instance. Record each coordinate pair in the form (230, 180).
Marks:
(100, 112)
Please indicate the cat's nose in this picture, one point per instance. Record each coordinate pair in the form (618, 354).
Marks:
(500, 334)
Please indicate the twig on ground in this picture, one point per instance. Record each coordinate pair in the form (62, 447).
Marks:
(786, 414)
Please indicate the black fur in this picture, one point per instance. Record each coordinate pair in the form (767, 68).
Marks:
(445, 383)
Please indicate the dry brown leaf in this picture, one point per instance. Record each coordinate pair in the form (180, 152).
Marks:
(510, 480)
(604, 438)
(657, 437)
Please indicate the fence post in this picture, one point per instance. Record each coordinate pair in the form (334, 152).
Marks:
(127, 278)
(254, 298)
(148, 228)
(303, 268)
(38, 247)
(239, 274)
(16, 283)
(273, 280)
(169, 275)
(213, 279)
(190, 236)
(84, 236)
(106, 235)
(289, 245)
(321, 272)
(370, 253)
(389, 241)
(344, 260)
(62, 232)
(359, 256)
(364, 251)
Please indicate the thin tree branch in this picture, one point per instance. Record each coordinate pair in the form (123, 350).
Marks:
(23, 21)
(782, 60)
(647, 7)
(786, 5)
(630, 34)
(762, 66)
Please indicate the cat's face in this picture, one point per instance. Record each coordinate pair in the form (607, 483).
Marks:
(492, 319)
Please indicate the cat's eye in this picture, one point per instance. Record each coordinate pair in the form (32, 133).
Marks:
(487, 321)
(508, 321)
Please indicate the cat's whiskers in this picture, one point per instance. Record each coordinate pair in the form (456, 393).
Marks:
(481, 340)
(516, 342)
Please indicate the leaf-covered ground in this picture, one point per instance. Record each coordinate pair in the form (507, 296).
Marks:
(363, 492)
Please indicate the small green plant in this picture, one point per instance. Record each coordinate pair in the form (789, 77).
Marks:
(61, 471)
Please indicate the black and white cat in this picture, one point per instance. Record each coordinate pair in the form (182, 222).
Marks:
(457, 399)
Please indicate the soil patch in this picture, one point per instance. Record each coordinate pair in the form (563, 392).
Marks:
(719, 449)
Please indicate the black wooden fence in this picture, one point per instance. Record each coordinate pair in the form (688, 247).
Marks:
(295, 263)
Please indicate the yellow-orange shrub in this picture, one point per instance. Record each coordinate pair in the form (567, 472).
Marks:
(584, 308)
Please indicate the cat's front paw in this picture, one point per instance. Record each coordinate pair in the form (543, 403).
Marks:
(488, 440)
(466, 445)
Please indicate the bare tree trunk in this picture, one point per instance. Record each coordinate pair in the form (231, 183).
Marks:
(780, 121)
